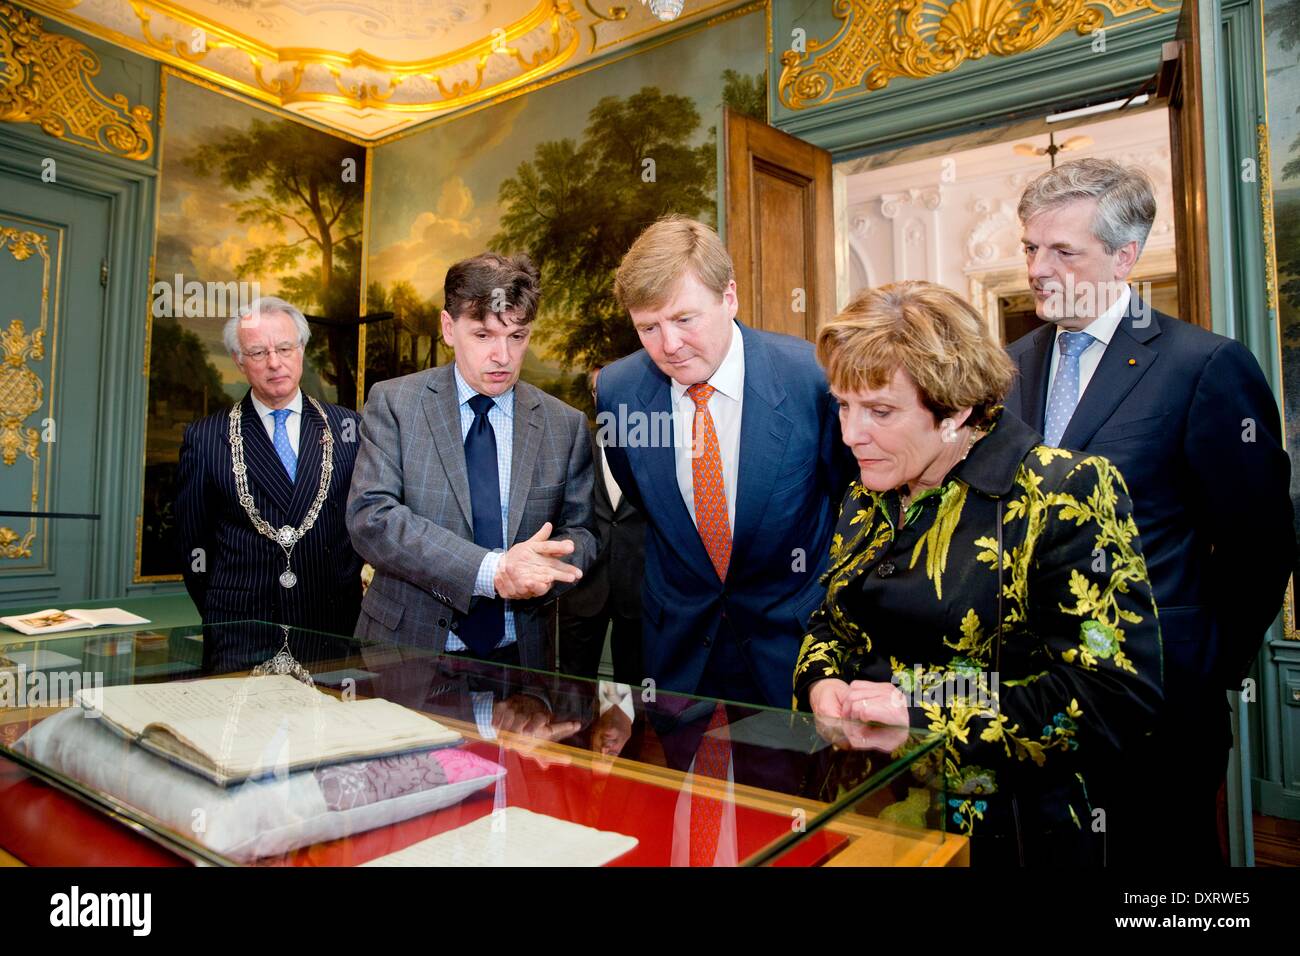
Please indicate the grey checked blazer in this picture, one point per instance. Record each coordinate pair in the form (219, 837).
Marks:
(409, 508)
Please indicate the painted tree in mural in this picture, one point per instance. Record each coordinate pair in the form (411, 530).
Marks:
(406, 343)
(576, 207)
(746, 94)
(183, 385)
(308, 189)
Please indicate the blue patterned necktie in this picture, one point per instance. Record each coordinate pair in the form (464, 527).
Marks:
(281, 442)
(1065, 387)
(482, 629)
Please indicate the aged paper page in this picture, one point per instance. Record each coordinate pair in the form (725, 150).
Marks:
(514, 837)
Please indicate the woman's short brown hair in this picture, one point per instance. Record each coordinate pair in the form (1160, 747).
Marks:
(651, 270)
(928, 331)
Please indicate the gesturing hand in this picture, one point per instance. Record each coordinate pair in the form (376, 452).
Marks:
(532, 567)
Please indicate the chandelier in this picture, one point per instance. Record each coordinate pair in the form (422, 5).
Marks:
(664, 9)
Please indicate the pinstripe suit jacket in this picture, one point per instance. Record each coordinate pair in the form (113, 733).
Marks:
(409, 508)
(241, 578)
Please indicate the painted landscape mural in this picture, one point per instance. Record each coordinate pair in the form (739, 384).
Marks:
(569, 174)
(249, 204)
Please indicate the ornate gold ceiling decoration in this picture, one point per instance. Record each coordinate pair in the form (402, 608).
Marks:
(879, 40)
(46, 80)
(421, 58)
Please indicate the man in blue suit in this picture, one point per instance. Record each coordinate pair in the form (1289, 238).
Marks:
(739, 492)
(1189, 419)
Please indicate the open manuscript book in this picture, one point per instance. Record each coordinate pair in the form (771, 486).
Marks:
(232, 729)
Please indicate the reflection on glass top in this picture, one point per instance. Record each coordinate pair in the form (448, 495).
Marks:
(255, 743)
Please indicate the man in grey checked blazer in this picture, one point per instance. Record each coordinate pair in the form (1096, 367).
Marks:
(411, 507)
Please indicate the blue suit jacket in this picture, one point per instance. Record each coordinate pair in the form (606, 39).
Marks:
(1189, 419)
(793, 469)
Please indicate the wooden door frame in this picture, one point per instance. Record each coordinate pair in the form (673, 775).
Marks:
(736, 186)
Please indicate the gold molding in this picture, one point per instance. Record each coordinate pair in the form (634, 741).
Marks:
(47, 81)
(1266, 214)
(879, 40)
(316, 56)
(1288, 612)
(455, 94)
(148, 343)
(22, 391)
(137, 577)
(1271, 294)
(250, 99)
(615, 13)
(365, 281)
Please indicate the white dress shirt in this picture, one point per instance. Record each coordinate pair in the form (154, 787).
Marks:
(725, 408)
(611, 695)
(1102, 329)
(292, 424)
(611, 486)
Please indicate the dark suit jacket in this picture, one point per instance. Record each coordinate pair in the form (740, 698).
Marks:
(793, 469)
(241, 579)
(1189, 420)
(409, 508)
(620, 565)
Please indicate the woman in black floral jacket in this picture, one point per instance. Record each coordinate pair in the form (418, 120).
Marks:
(980, 584)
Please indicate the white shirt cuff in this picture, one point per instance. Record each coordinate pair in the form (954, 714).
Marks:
(485, 583)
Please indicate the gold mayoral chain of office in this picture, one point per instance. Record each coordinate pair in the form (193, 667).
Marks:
(287, 536)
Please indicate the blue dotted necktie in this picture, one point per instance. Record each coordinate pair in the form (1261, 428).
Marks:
(482, 629)
(281, 442)
(1065, 387)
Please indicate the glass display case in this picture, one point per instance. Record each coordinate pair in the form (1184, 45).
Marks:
(258, 744)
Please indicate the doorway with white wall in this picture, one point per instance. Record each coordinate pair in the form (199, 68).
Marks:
(945, 210)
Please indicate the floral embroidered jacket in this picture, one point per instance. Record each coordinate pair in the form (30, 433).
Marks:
(1077, 675)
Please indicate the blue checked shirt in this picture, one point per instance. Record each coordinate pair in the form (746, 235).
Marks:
(501, 417)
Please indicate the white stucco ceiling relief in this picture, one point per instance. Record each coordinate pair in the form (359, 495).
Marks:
(370, 68)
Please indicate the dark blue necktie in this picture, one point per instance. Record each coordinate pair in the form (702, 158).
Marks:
(482, 629)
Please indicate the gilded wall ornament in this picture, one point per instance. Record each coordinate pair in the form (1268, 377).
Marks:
(46, 80)
(22, 391)
(879, 40)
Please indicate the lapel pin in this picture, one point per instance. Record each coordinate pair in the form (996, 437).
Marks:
(1132, 361)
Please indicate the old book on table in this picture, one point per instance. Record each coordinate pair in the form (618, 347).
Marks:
(233, 729)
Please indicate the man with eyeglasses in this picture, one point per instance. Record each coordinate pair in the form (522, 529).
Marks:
(260, 501)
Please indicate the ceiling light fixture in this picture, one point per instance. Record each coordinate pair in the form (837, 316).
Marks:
(1050, 151)
(665, 9)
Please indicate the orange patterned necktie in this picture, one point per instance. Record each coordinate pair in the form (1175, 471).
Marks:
(707, 485)
(711, 762)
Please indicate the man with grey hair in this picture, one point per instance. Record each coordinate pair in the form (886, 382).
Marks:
(1188, 418)
(260, 502)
